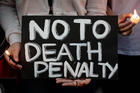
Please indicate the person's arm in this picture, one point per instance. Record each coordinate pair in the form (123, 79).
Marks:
(10, 24)
(9, 21)
(96, 7)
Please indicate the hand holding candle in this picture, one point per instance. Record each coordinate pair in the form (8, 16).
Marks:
(12, 56)
(125, 25)
(135, 17)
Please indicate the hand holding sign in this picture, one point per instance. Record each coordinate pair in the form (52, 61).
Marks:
(71, 82)
(14, 50)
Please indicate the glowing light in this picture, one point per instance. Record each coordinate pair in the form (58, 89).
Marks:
(7, 53)
(135, 17)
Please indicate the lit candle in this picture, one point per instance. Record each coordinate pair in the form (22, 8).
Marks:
(10, 57)
(135, 17)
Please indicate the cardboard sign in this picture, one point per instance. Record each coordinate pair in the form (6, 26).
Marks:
(69, 47)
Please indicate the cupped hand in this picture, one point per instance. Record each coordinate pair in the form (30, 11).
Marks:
(125, 25)
(14, 51)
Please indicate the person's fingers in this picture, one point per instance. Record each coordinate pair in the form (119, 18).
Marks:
(19, 66)
(124, 17)
(60, 80)
(126, 33)
(127, 28)
(14, 66)
(122, 25)
(63, 79)
(87, 81)
(78, 83)
(14, 52)
(70, 84)
(9, 61)
(83, 82)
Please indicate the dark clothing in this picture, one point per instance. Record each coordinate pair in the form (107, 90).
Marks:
(8, 85)
(128, 72)
(5, 70)
(50, 86)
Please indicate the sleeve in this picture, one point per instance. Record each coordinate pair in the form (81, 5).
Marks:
(96, 7)
(80, 8)
(9, 21)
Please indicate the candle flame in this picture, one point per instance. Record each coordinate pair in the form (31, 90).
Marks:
(7, 53)
(135, 17)
(136, 14)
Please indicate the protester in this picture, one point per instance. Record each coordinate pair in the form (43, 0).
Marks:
(16, 8)
(128, 45)
(5, 70)
(128, 39)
